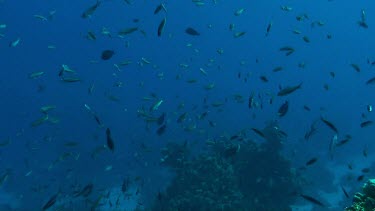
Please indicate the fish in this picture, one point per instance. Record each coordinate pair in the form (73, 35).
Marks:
(355, 67)
(330, 125)
(156, 105)
(306, 108)
(50, 202)
(306, 39)
(159, 8)
(370, 81)
(257, 131)
(182, 117)
(107, 54)
(70, 79)
(192, 32)
(366, 123)
(97, 120)
(332, 145)
(86, 191)
(283, 109)
(239, 34)
(269, 28)
(110, 143)
(312, 200)
(287, 49)
(277, 69)
(365, 170)
(161, 27)
(263, 78)
(311, 161)
(251, 102)
(288, 90)
(36, 74)
(239, 12)
(345, 192)
(311, 131)
(362, 23)
(360, 177)
(15, 42)
(161, 130)
(161, 119)
(90, 11)
(344, 141)
(127, 31)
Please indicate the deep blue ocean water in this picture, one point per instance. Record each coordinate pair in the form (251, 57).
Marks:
(32, 157)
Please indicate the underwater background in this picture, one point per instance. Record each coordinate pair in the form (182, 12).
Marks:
(185, 105)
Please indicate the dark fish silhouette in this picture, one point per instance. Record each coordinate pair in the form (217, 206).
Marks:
(283, 109)
(288, 90)
(107, 54)
(110, 142)
(311, 161)
(330, 125)
(192, 32)
(90, 11)
(312, 200)
(161, 130)
(161, 27)
(50, 202)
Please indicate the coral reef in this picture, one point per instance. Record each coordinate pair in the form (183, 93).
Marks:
(364, 201)
(233, 175)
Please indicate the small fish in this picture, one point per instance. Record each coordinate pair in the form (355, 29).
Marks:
(360, 178)
(306, 108)
(356, 67)
(257, 131)
(365, 170)
(110, 143)
(362, 23)
(192, 32)
(36, 74)
(239, 34)
(330, 125)
(345, 192)
(161, 119)
(90, 11)
(182, 117)
(311, 161)
(239, 12)
(159, 8)
(283, 109)
(107, 54)
(50, 202)
(161, 130)
(15, 43)
(156, 105)
(312, 200)
(332, 145)
(277, 69)
(288, 90)
(311, 131)
(161, 27)
(263, 78)
(366, 123)
(86, 191)
(127, 31)
(370, 81)
(344, 141)
(364, 152)
(306, 39)
(268, 28)
(287, 49)
(70, 79)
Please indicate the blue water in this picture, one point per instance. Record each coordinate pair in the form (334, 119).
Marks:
(36, 149)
